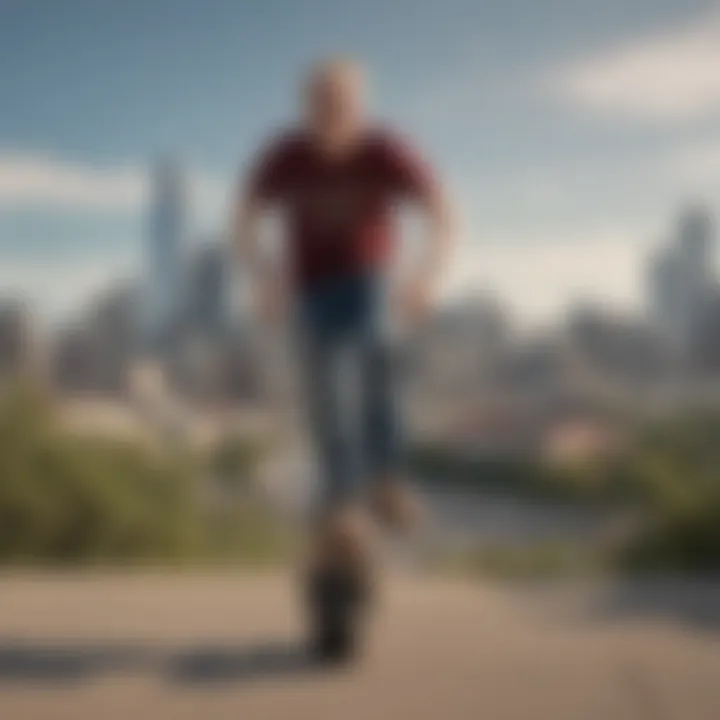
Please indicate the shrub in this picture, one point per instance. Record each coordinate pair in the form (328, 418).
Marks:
(70, 499)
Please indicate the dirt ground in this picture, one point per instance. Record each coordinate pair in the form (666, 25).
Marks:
(110, 645)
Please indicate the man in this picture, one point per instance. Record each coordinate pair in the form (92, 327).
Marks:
(338, 182)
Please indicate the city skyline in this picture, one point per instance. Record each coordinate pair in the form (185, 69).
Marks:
(570, 140)
(180, 319)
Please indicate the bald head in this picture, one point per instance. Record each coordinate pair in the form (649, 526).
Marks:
(335, 98)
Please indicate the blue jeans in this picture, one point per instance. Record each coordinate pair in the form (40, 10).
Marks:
(349, 368)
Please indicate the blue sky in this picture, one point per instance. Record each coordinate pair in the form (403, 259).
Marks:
(569, 131)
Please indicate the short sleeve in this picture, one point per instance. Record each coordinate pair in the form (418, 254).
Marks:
(268, 175)
(408, 173)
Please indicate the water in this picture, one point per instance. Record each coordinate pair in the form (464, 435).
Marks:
(458, 516)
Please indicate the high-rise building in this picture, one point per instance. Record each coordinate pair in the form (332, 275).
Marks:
(696, 242)
(20, 351)
(208, 302)
(695, 257)
(682, 277)
(664, 288)
(94, 354)
(166, 248)
(75, 364)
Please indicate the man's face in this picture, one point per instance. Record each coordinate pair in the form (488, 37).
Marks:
(335, 101)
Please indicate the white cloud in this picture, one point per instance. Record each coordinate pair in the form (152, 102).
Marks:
(57, 288)
(669, 77)
(39, 182)
(35, 181)
(697, 164)
(537, 277)
(211, 202)
(652, 185)
(536, 269)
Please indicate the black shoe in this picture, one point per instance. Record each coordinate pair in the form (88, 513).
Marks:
(337, 600)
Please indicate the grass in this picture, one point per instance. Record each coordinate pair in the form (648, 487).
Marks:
(541, 561)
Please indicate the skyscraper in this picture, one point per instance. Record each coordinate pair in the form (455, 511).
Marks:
(166, 249)
(696, 237)
(21, 353)
(664, 289)
(683, 276)
(208, 289)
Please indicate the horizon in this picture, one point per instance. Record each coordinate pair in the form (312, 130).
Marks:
(570, 142)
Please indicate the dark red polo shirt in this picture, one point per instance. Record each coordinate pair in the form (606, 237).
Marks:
(339, 212)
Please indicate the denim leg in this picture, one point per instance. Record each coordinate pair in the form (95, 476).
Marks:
(350, 385)
(382, 441)
(331, 425)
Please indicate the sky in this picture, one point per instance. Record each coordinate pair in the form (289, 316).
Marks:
(569, 132)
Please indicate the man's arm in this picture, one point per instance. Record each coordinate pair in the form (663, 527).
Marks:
(262, 187)
(265, 273)
(413, 179)
(417, 292)
(244, 232)
(440, 235)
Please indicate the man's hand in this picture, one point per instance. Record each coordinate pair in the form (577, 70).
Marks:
(272, 299)
(414, 300)
(416, 296)
(271, 292)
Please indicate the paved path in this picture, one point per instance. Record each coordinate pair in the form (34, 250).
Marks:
(136, 646)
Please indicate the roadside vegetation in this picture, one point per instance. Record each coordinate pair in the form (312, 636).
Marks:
(72, 499)
(669, 476)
